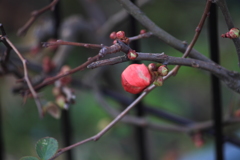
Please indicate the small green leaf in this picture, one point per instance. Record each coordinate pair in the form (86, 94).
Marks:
(46, 147)
(29, 158)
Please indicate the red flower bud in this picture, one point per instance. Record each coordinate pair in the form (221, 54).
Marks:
(163, 70)
(120, 34)
(132, 54)
(233, 33)
(113, 35)
(135, 78)
(143, 31)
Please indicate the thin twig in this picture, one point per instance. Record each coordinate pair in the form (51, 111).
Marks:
(223, 6)
(7, 52)
(115, 19)
(198, 126)
(197, 33)
(140, 36)
(157, 31)
(79, 68)
(34, 16)
(102, 132)
(61, 42)
(230, 78)
(26, 78)
(105, 50)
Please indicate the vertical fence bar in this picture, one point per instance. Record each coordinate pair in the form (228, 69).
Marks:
(215, 83)
(66, 129)
(140, 132)
(2, 150)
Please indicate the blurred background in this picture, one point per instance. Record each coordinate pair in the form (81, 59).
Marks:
(186, 95)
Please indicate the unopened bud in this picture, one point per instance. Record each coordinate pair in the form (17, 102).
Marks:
(232, 33)
(120, 34)
(158, 81)
(113, 35)
(163, 70)
(135, 78)
(132, 54)
(143, 31)
(152, 67)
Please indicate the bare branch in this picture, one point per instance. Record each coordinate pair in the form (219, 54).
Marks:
(231, 79)
(61, 42)
(115, 19)
(34, 16)
(140, 36)
(197, 33)
(160, 33)
(223, 6)
(26, 78)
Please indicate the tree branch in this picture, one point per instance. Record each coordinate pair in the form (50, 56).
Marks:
(230, 78)
(157, 31)
(26, 78)
(34, 16)
(223, 6)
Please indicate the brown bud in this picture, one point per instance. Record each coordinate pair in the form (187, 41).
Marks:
(152, 67)
(125, 40)
(67, 79)
(47, 64)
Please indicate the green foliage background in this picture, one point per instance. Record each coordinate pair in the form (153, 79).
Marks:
(187, 94)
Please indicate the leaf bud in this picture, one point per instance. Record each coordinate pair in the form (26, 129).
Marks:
(232, 33)
(158, 81)
(132, 54)
(163, 70)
